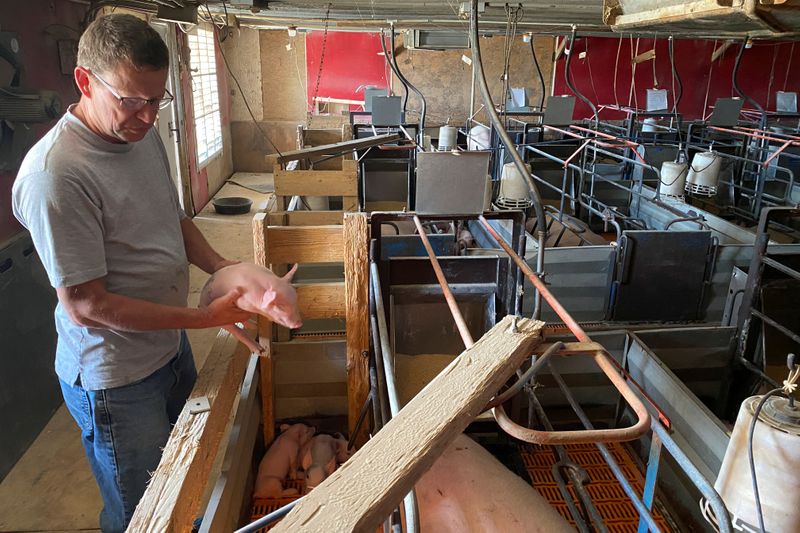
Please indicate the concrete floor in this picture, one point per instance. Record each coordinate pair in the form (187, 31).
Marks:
(51, 487)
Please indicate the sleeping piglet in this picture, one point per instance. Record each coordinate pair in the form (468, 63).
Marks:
(319, 457)
(262, 292)
(280, 461)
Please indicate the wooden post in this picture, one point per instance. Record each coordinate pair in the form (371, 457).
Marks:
(173, 496)
(361, 494)
(261, 257)
(356, 294)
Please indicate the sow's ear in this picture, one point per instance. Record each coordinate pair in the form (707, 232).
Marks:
(289, 275)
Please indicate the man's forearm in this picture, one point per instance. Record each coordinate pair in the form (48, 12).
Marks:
(122, 313)
(198, 251)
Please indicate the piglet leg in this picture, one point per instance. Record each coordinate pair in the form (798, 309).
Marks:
(245, 339)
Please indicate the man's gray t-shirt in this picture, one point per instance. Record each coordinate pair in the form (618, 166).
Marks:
(99, 209)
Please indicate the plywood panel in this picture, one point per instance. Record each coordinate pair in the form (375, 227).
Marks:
(316, 183)
(321, 300)
(309, 244)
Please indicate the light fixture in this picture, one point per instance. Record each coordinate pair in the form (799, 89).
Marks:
(292, 31)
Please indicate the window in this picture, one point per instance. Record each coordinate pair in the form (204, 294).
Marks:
(205, 95)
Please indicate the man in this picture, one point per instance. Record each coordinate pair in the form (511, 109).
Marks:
(96, 195)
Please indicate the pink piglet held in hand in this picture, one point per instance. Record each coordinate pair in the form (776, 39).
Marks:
(262, 293)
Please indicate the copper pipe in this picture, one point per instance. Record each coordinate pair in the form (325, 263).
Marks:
(584, 436)
(576, 152)
(776, 153)
(572, 325)
(752, 134)
(539, 284)
(448, 294)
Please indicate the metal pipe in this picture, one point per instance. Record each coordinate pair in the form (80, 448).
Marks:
(548, 296)
(409, 501)
(392, 68)
(410, 86)
(644, 512)
(523, 380)
(269, 518)
(762, 119)
(569, 81)
(507, 142)
(448, 294)
(711, 495)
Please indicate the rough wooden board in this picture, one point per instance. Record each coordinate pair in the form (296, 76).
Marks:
(228, 497)
(305, 218)
(338, 148)
(261, 257)
(316, 183)
(172, 499)
(356, 292)
(321, 300)
(307, 244)
(362, 493)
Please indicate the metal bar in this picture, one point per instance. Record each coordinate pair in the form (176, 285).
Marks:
(781, 267)
(783, 329)
(520, 384)
(338, 148)
(448, 294)
(753, 135)
(269, 518)
(604, 361)
(644, 512)
(706, 489)
(409, 501)
(650, 479)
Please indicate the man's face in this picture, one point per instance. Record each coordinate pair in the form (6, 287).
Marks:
(118, 121)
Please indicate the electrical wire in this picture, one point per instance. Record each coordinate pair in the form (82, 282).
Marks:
(750, 433)
(616, 67)
(244, 98)
(675, 76)
(539, 72)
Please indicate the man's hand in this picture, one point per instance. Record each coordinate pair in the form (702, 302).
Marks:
(223, 311)
(224, 263)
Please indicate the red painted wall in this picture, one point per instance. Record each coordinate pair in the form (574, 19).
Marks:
(763, 62)
(352, 60)
(39, 24)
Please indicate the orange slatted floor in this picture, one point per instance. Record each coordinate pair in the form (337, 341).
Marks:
(618, 512)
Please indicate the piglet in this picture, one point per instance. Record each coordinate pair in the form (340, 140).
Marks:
(262, 292)
(280, 461)
(319, 457)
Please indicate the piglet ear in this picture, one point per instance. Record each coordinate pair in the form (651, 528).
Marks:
(289, 275)
(268, 298)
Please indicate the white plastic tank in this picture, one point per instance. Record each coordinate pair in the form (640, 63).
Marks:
(703, 176)
(487, 194)
(447, 138)
(673, 179)
(513, 192)
(776, 453)
(650, 125)
(478, 138)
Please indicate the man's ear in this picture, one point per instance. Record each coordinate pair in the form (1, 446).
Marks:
(82, 79)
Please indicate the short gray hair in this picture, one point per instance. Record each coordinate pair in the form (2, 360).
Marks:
(121, 39)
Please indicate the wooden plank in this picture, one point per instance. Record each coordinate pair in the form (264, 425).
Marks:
(316, 183)
(228, 497)
(720, 51)
(356, 290)
(573, 348)
(338, 148)
(362, 493)
(645, 56)
(307, 244)
(306, 218)
(350, 203)
(172, 499)
(321, 300)
(261, 257)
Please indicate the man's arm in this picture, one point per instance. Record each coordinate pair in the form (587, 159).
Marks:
(91, 305)
(198, 251)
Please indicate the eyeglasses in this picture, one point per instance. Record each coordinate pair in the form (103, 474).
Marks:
(133, 103)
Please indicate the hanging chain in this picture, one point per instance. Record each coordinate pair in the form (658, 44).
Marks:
(321, 62)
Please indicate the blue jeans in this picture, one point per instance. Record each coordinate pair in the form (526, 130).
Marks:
(125, 428)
